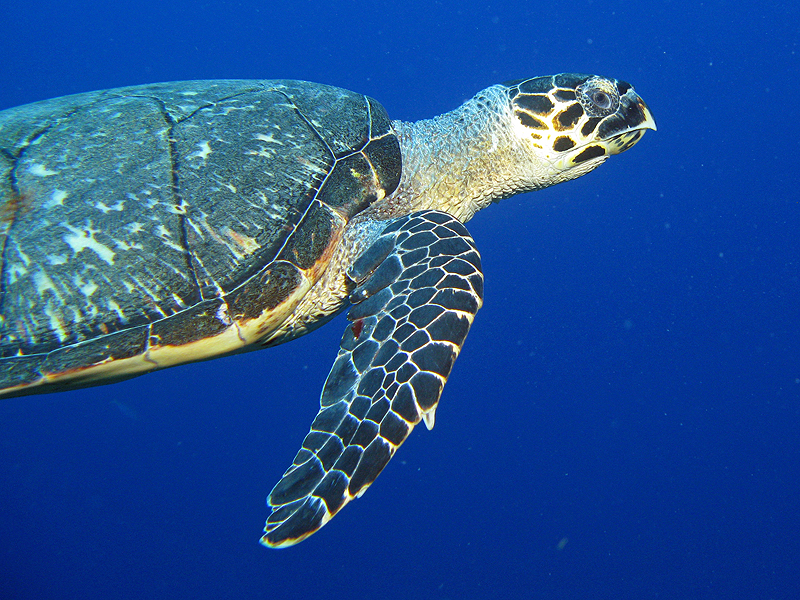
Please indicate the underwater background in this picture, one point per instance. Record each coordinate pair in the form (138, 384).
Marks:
(623, 420)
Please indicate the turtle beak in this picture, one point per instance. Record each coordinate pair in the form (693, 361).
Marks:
(632, 120)
(637, 114)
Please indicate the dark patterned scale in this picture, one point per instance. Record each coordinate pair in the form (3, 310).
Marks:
(420, 287)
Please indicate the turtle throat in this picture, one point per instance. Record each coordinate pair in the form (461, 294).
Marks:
(463, 160)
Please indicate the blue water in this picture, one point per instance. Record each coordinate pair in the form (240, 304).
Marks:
(623, 420)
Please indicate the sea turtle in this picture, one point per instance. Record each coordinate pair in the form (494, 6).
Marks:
(149, 226)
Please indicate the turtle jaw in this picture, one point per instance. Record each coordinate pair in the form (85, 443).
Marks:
(616, 133)
(626, 127)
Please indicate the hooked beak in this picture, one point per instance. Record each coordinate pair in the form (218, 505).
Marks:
(632, 120)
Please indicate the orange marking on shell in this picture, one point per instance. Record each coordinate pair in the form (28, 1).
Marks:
(245, 242)
(17, 202)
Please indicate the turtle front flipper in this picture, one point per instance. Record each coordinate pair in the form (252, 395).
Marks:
(419, 287)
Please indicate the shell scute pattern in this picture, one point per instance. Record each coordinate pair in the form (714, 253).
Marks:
(211, 206)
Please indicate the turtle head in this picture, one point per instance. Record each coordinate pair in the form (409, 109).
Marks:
(571, 123)
(515, 137)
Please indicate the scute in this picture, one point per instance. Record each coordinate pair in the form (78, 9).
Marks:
(167, 228)
(270, 288)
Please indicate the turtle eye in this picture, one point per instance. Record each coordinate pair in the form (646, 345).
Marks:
(601, 100)
(598, 97)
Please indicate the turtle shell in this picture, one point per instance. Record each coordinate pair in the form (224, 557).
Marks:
(153, 225)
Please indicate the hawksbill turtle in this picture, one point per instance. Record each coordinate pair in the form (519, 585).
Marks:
(149, 226)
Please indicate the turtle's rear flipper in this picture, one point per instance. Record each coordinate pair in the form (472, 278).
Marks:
(419, 287)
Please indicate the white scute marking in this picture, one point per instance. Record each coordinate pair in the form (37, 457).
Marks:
(204, 152)
(56, 199)
(165, 236)
(113, 306)
(55, 321)
(24, 257)
(226, 110)
(123, 245)
(178, 300)
(102, 207)
(222, 314)
(43, 283)
(147, 290)
(39, 170)
(80, 239)
(89, 288)
(268, 138)
(16, 271)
